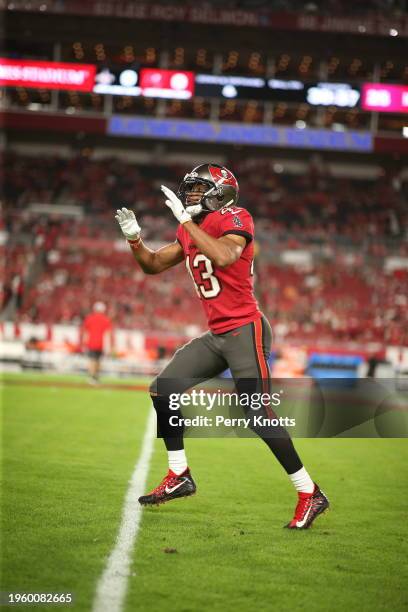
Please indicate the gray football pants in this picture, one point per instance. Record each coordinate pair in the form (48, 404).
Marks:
(244, 350)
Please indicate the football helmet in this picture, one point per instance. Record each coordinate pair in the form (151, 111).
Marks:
(221, 188)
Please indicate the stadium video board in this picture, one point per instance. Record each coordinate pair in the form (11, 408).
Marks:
(48, 75)
(383, 97)
(255, 88)
(148, 82)
(184, 85)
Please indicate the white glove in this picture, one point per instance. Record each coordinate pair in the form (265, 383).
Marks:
(128, 224)
(175, 205)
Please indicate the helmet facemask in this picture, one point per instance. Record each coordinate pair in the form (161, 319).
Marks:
(212, 198)
(199, 187)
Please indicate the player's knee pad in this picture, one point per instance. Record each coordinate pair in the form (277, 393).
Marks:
(167, 386)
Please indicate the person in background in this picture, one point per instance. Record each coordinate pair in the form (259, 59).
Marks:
(96, 338)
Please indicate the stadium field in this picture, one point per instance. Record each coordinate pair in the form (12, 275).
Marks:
(69, 451)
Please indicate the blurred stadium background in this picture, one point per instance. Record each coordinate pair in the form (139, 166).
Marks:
(306, 102)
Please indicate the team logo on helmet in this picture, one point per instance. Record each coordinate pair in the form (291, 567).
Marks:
(222, 176)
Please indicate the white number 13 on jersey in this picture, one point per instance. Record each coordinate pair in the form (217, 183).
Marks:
(210, 286)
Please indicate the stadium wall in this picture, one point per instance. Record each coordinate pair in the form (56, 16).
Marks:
(56, 347)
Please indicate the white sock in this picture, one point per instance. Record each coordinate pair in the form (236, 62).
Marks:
(177, 461)
(302, 481)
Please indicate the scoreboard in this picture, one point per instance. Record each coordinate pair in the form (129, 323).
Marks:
(184, 85)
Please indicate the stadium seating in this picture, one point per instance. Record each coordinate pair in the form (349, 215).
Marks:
(318, 203)
(343, 293)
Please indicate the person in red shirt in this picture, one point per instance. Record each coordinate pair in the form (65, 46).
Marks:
(96, 337)
(215, 238)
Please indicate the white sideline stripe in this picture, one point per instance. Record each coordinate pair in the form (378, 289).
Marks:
(112, 585)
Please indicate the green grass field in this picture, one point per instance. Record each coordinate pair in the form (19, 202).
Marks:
(68, 454)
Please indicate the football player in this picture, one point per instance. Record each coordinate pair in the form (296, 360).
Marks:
(215, 237)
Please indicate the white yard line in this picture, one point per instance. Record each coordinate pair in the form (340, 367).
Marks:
(112, 585)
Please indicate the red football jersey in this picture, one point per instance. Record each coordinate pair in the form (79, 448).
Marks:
(94, 328)
(226, 293)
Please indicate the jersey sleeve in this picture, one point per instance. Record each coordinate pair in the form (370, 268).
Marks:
(239, 222)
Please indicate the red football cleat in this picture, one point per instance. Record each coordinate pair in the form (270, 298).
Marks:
(171, 487)
(308, 508)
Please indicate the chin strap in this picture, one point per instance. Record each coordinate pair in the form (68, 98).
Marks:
(195, 209)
